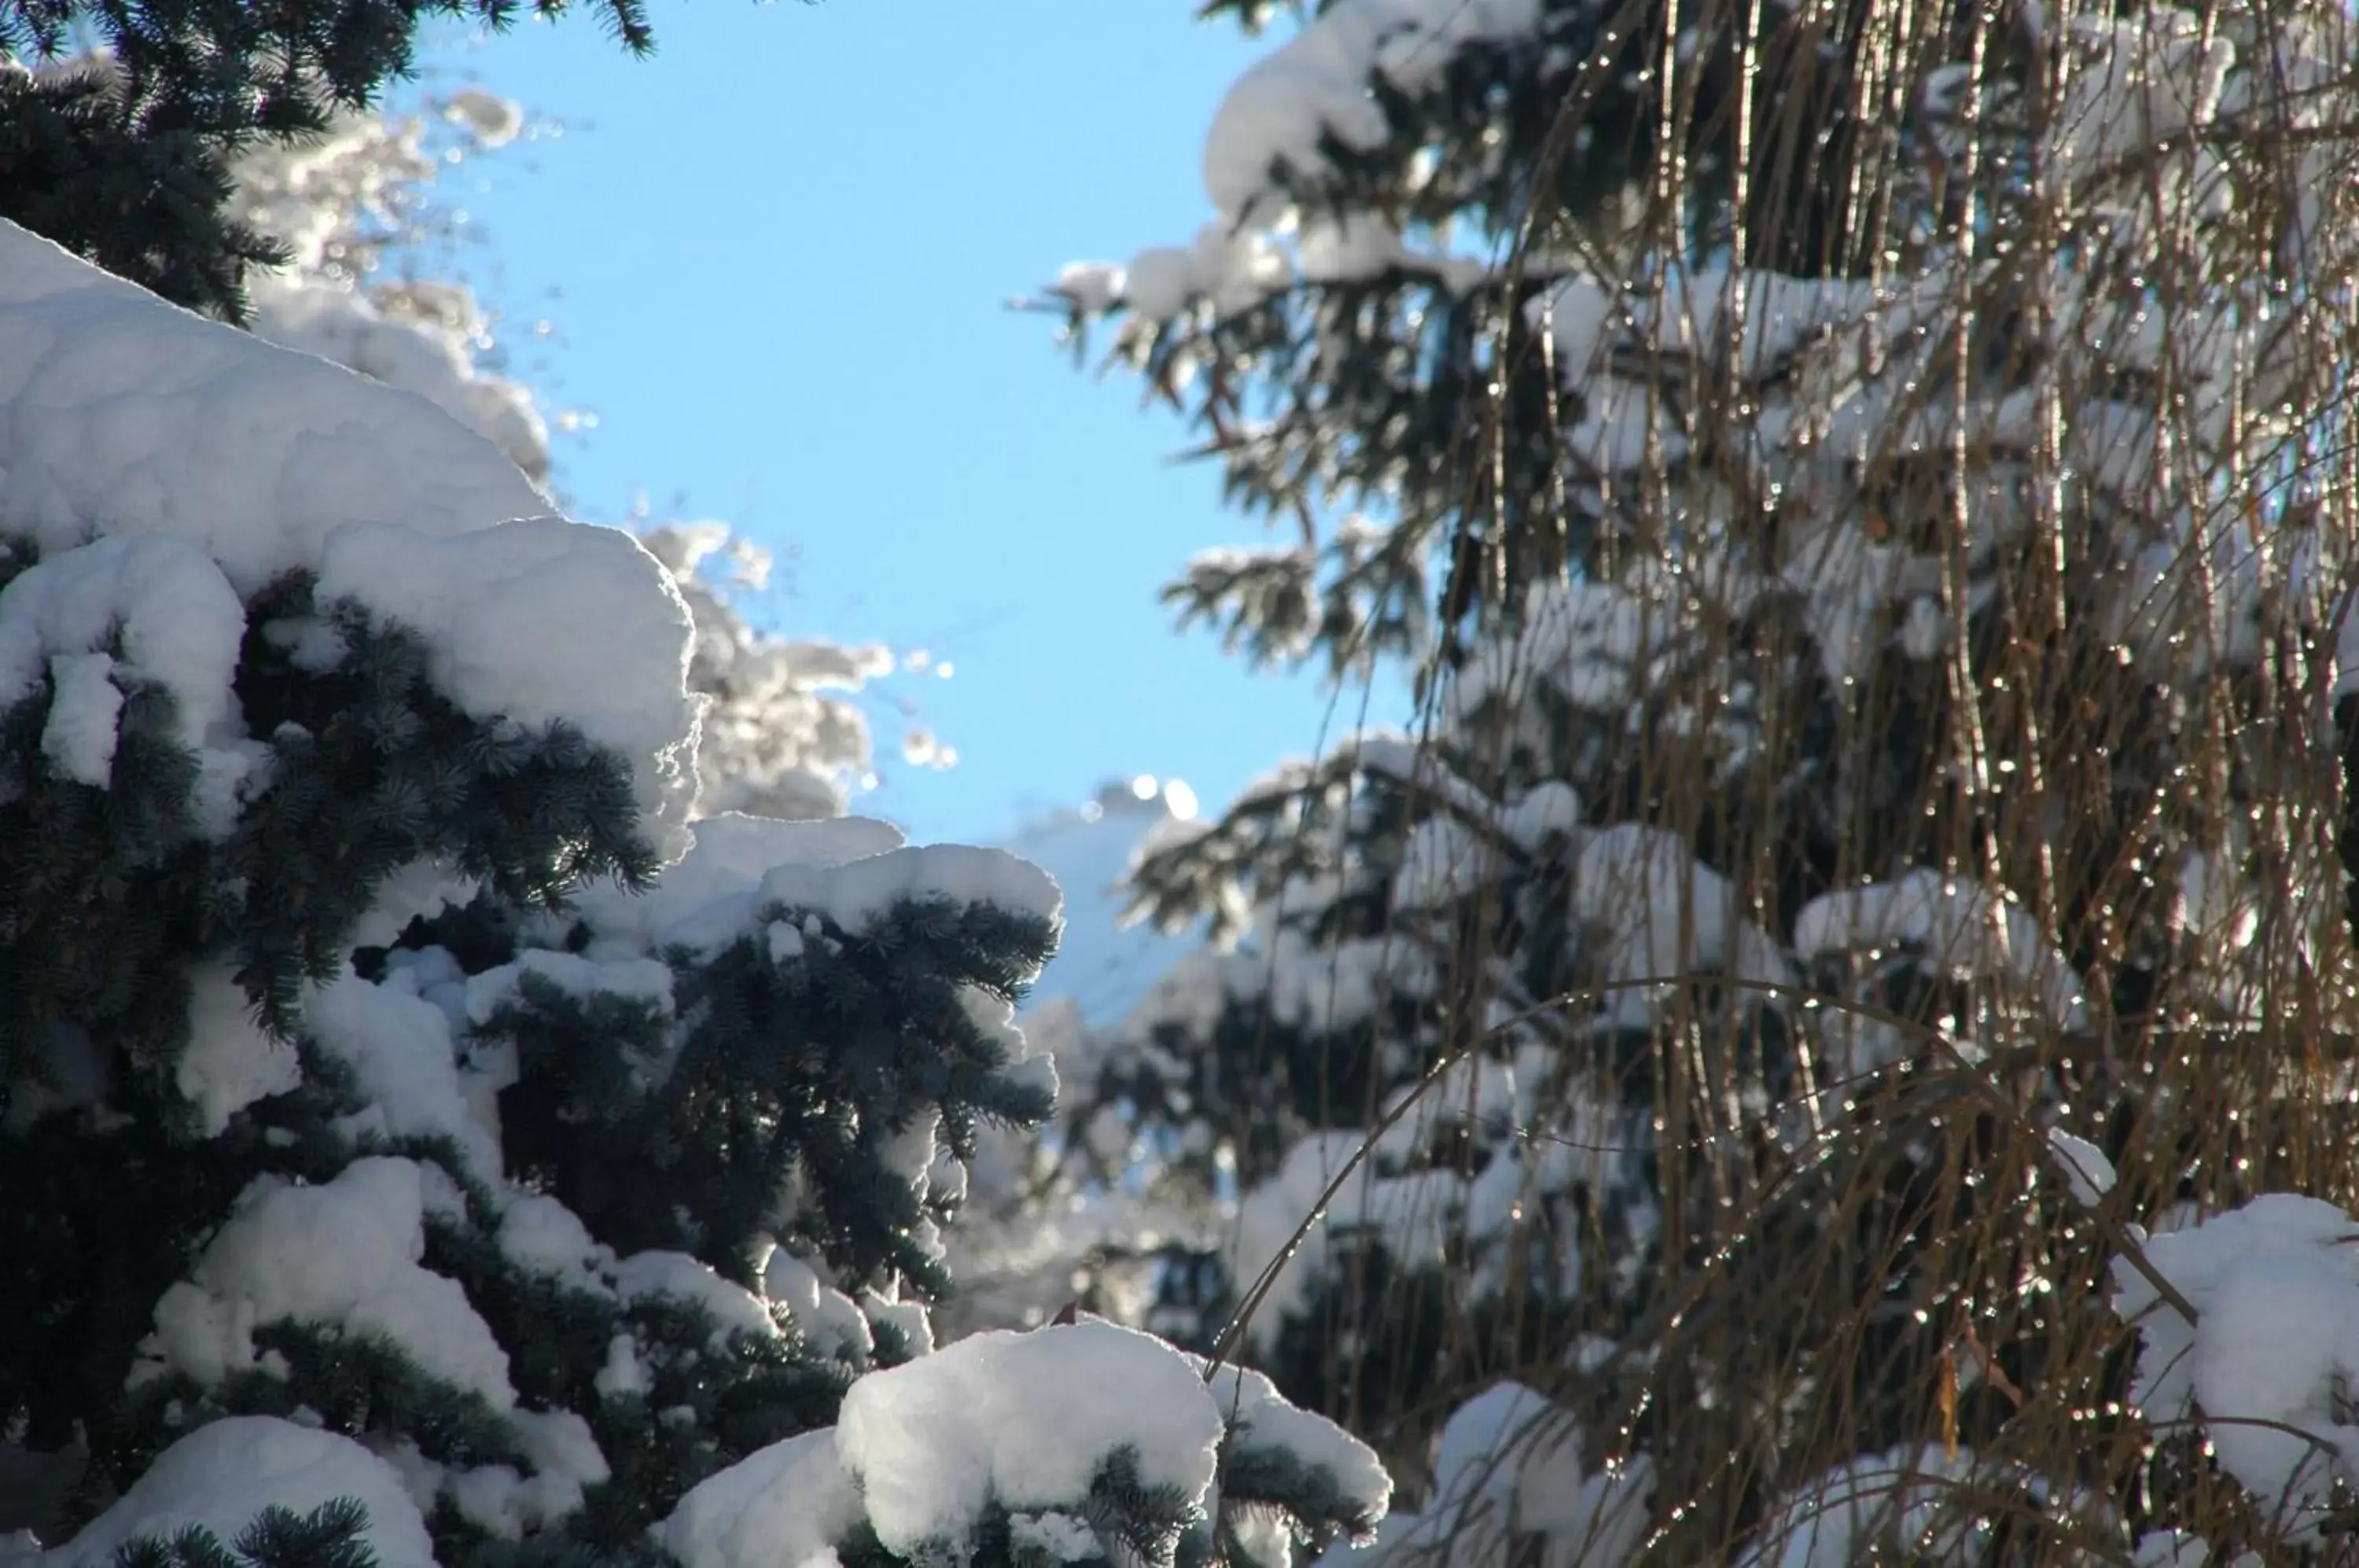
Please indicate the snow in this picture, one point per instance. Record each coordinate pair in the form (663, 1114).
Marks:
(1160, 281)
(231, 1062)
(1442, 861)
(215, 462)
(1957, 928)
(830, 1319)
(1578, 314)
(405, 1065)
(1062, 1538)
(319, 193)
(2143, 81)
(421, 889)
(334, 199)
(1550, 808)
(2088, 1174)
(120, 413)
(537, 1234)
(783, 1507)
(1353, 248)
(1898, 1500)
(1694, 310)
(1589, 640)
(520, 620)
(1317, 85)
(1022, 1421)
(1661, 912)
(159, 606)
(1697, 309)
(1269, 1217)
(1094, 287)
(912, 1319)
(678, 1277)
(646, 980)
(777, 740)
(857, 894)
(342, 1255)
(430, 356)
(2274, 1286)
(1417, 771)
(1234, 268)
(493, 120)
(710, 897)
(564, 1456)
(1311, 987)
(84, 708)
(1508, 1463)
(624, 1376)
(542, 1235)
(224, 1473)
(1259, 1416)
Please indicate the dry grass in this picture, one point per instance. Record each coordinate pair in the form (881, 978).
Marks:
(1910, 1272)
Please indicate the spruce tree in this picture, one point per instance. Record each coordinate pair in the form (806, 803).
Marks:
(1865, 494)
(121, 124)
(424, 1137)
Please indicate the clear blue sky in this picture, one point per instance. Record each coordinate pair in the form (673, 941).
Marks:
(781, 251)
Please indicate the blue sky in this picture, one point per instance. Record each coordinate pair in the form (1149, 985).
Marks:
(777, 256)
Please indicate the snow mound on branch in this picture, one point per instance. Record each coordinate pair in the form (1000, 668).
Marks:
(1021, 1419)
(782, 736)
(1317, 85)
(525, 620)
(339, 200)
(1662, 913)
(647, 980)
(125, 416)
(2088, 1174)
(709, 897)
(565, 1458)
(784, 1506)
(832, 1320)
(1954, 927)
(1259, 1416)
(342, 325)
(398, 1048)
(112, 613)
(1907, 1499)
(1508, 1464)
(2274, 1286)
(161, 603)
(122, 414)
(858, 893)
(222, 1475)
(1234, 268)
(1273, 124)
(344, 1253)
(847, 870)
(1271, 1234)
(232, 1061)
(1018, 1422)
(80, 735)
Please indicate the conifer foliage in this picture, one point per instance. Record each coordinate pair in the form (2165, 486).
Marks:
(1866, 494)
(424, 1137)
(120, 123)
